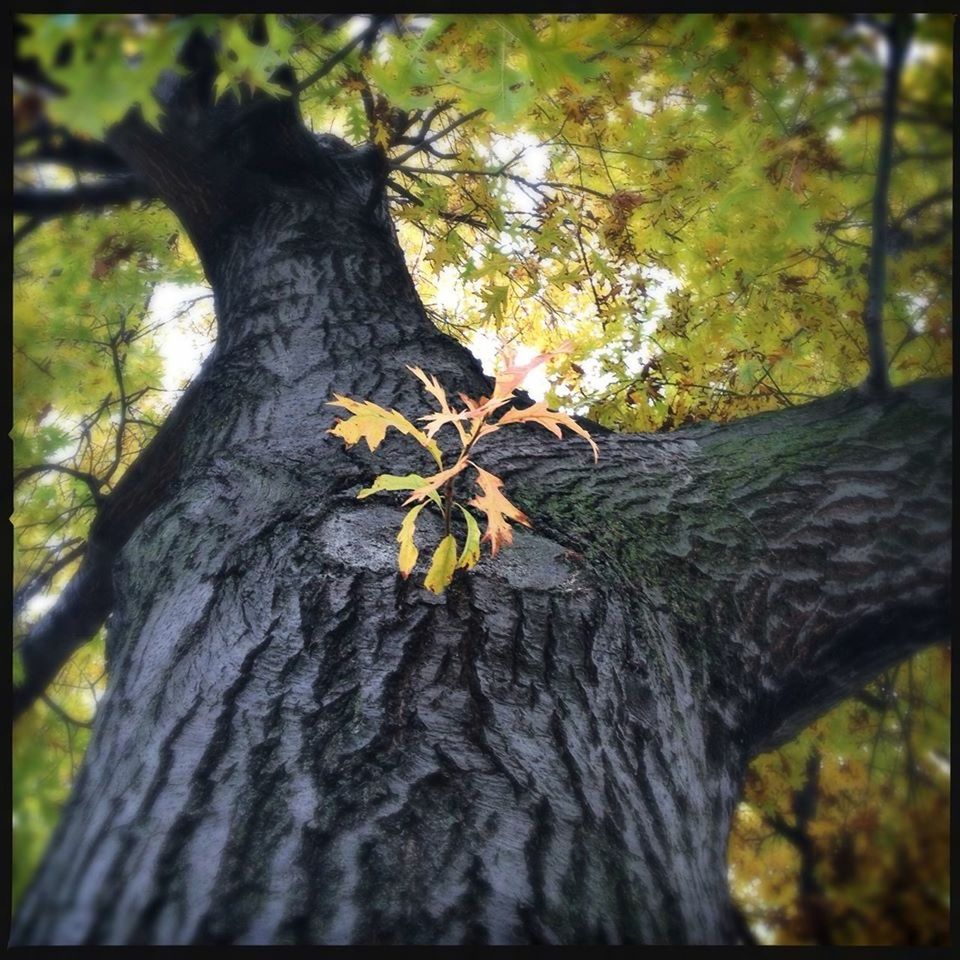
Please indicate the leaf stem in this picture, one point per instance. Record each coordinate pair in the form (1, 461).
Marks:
(447, 505)
(448, 486)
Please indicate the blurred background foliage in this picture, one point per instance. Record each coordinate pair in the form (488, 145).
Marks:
(687, 197)
(843, 835)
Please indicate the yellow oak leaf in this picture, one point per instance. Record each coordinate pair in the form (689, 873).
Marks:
(446, 415)
(381, 135)
(407, 557)
(443, 565)
(471, 547)
(392, 481)
(498, 510)
(370, 422)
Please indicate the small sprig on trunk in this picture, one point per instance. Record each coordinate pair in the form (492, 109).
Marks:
(370, 422)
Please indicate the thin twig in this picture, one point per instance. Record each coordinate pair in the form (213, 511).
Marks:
(436, 136)
(63, 715)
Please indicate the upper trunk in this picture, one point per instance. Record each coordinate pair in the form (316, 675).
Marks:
(299, 746)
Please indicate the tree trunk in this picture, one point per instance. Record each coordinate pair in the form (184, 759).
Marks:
(298, 746)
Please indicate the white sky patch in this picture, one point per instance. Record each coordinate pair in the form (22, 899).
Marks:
(448, 291)
(918, 51)
(660, 282)
(532, 165)
(38, 605)
(182, 340)
(356, 25)
(485, 347)
(641, 104)
(939, 761)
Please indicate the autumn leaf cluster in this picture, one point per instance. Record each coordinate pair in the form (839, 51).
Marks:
(369, 422)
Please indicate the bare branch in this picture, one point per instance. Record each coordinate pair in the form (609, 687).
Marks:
(403, 192)
(114, 346)
(365, 36)
(878, 379)
(56, 145)
(63, 715)
(421, 134)
(501, 172)
(436, 136)
(941, 196)
(89, 479)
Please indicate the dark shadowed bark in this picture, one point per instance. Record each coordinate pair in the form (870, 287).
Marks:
(898, 33)
(297, 746)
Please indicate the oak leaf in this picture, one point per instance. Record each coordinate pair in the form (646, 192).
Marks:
(471, 547)
(432, 484)
(498, 510)
(407, 557)
(446, 415)
(370, 422)
(443, 565)
(550, 420)
(392, 481)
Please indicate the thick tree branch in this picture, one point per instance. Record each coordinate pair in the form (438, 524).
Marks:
(83, 605)
(806, 550)
(57, 145)
(76, 616)
(38, 582)
(40, 205)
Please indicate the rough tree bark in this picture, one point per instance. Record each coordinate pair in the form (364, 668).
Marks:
(298, 746)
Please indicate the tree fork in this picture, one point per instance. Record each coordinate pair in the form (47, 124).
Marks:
(298, 746)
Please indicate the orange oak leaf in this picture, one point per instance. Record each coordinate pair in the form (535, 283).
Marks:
(435, 482)
(498, 510)
(513, 374)
(510, 378)
(550, 419)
